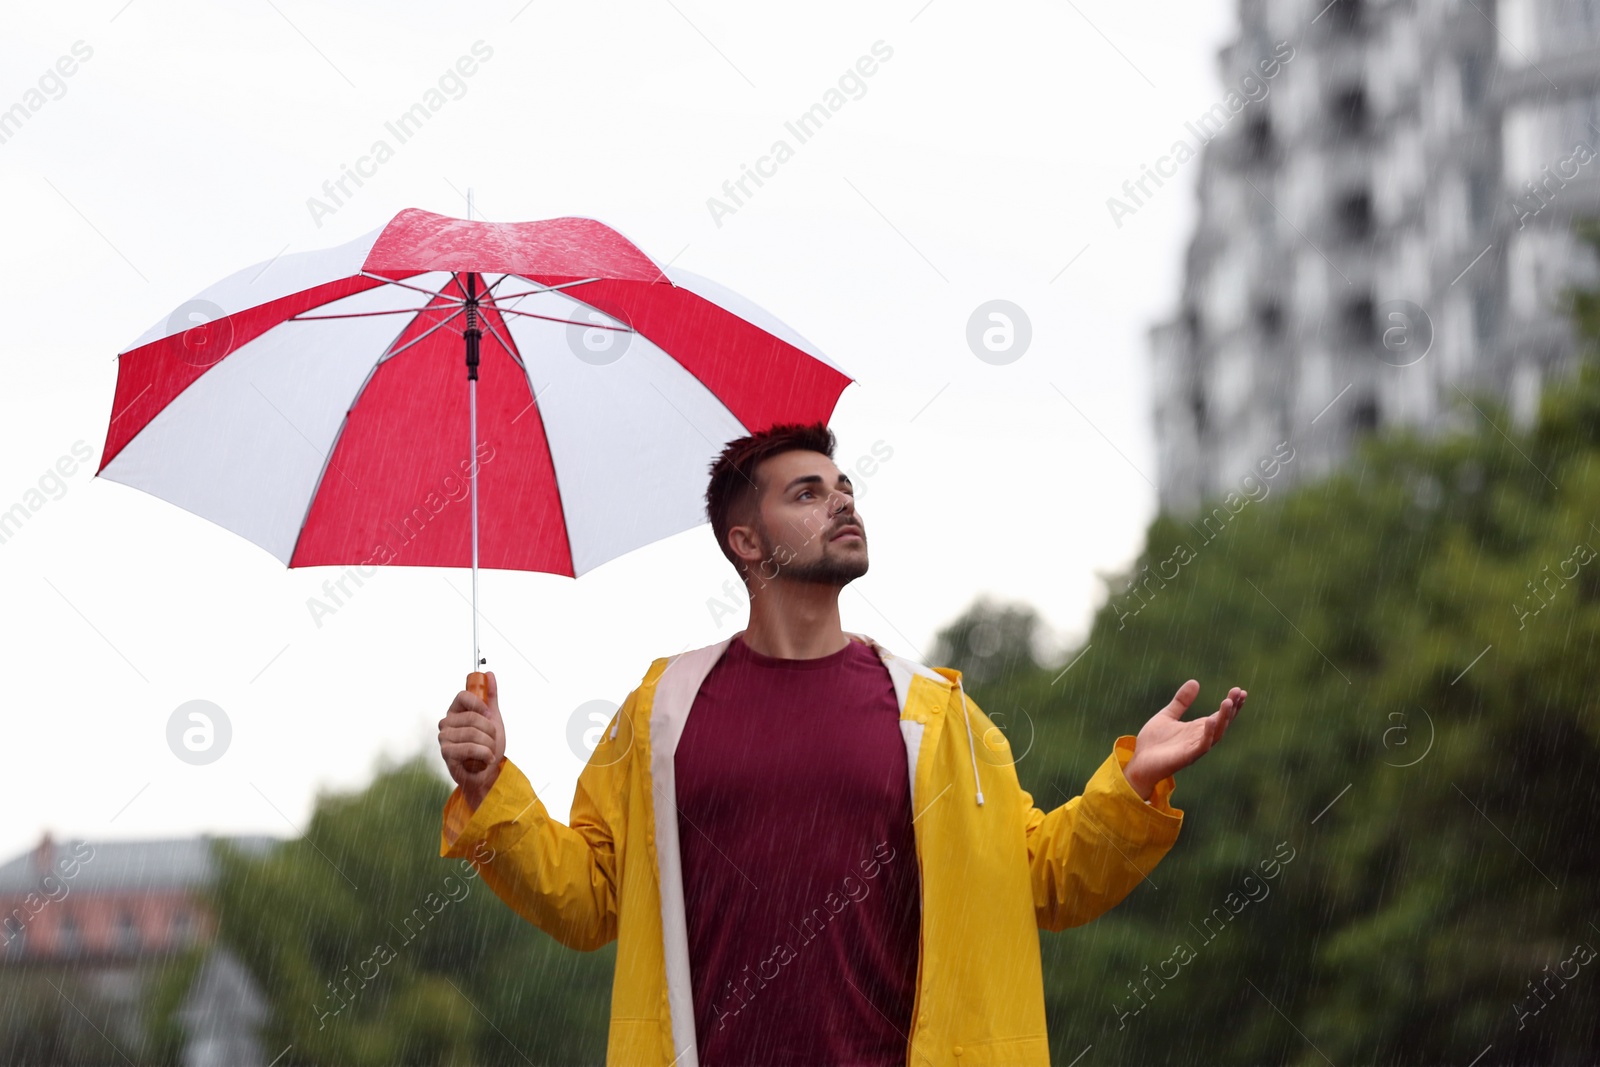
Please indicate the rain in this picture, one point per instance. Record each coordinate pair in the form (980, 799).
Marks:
(1217, 387)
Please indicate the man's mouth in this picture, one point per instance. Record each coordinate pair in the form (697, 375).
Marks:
(849, 531)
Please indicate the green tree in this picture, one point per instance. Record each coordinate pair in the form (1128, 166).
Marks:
(373, 950)
(989, 642)
(1418, 635)
(68, 1012)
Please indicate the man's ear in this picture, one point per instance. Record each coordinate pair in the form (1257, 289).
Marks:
(745, 544)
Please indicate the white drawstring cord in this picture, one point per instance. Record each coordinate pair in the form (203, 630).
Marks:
(971, 748)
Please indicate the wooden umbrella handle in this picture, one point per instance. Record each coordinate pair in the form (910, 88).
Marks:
(478, 686)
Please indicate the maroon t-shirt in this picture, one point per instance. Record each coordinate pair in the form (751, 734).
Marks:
(799, 862)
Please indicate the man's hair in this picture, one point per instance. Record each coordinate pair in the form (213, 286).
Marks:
(733, 495)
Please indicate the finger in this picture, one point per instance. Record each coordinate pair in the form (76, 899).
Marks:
(465, 735)
(1183, 698)
(466, 701)
(457, 749)
(1227, 722)
(459, 752)
(473, 719)
(494, 697)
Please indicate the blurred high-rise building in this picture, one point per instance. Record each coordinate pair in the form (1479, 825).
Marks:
(1385, 227)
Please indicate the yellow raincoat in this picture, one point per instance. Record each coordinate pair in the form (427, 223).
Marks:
(994, 868)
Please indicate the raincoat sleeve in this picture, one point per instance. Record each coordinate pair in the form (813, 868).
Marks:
(561, 878)
(1088, 854)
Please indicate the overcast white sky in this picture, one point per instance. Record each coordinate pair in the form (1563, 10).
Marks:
(976, 166)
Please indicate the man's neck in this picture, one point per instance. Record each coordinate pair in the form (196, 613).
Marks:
(795, 620)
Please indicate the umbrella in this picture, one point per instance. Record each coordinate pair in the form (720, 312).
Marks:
(326, 405)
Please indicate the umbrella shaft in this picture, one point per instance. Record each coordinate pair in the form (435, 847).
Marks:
(472, 405)
(473, 335)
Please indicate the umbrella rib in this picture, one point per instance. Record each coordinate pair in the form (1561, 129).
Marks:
(420, 337)
(413, 288)
(512, 352)
(489, 292)
(355, 314)
(564, 322)
(547, 288)
(455, 276)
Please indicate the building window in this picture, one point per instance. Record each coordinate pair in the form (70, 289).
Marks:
(1357, 320)
(1258, 138)
(1481, 199)
(182, 927)
(1343, 16)
(69, 937)
(127, 933)
(1473, 78)
(1191, 325)
(1269, 319)
(1483, 321)
(1354, 216)
(1347, 111)
(1364, 414)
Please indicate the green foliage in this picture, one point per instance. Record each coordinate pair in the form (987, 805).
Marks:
(39, 1020)
(373, 950)
(989, 642)
(1419, 635)
(164, 987)
(82, 1013)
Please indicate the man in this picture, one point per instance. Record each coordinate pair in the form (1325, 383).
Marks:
(812, 851)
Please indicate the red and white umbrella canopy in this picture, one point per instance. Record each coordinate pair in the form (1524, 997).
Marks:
(317, 404)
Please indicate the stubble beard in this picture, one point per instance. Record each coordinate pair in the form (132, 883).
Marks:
(826, 569)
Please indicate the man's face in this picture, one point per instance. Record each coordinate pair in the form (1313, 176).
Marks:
(807, 528)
